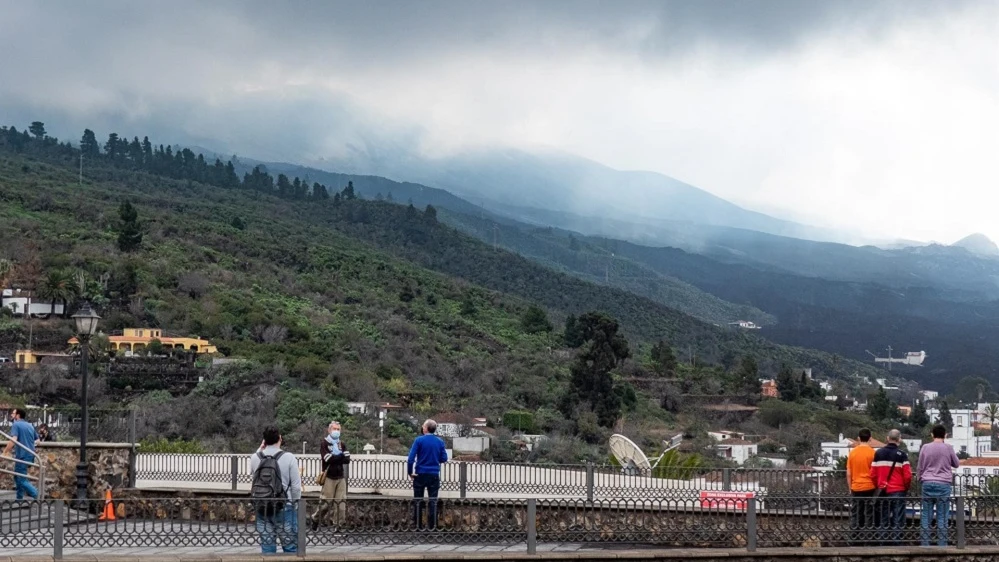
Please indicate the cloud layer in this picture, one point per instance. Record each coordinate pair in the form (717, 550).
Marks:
(875, 116)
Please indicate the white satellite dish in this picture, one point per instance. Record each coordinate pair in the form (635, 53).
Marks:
(628, 454)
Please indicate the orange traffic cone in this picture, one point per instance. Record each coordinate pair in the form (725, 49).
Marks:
(108, 514)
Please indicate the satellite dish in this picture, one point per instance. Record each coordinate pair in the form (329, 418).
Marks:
(628, 454)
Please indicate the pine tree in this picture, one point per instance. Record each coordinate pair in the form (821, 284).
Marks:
(591, 380)
(573, 335)
(348, 192)
(663, 358)
(880, 407)
(945, 419)
(749, 376)
(787, 385)
(111, 148)
(37, 128)
(129, 231)
(919, 418)
(88, 144)
(535, 320)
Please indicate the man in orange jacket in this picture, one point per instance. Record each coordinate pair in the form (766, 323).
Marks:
(858, 478)
(892, 477)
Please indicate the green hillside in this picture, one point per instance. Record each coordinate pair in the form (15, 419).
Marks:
(600, 264)
(331, 299)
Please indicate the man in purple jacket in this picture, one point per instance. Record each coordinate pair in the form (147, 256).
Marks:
(936, 464)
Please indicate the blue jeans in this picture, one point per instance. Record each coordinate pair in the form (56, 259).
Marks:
(21, 483)
(282, 524)
(431, 483)
(892, 509)
(935, 494)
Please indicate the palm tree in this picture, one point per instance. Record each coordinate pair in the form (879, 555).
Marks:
(991, 411)
(57, 286)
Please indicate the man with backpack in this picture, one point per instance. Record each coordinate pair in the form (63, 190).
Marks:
(276, 488)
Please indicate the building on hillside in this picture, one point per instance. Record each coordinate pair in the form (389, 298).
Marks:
(455, 425)
(826, 386)
(357, 408)
(744, 324)
(883, 383)
(912, 445)
(738, 450)
(18, 301)
(930, 395)
(26, 358)
(905, 410)
(976, 473)
(962, 436)
(725, 434)
(768, 388)
(134, 340)
(832, 451)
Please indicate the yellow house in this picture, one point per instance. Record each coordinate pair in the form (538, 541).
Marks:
(136, 339)
(28, 358)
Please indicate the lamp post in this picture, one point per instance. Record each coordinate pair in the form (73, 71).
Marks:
(86, 325)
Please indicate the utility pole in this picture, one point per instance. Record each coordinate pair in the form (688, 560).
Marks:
(381, 431)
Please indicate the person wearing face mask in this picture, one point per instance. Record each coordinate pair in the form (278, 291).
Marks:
(335, 456)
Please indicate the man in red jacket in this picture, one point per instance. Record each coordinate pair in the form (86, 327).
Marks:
(892, 476)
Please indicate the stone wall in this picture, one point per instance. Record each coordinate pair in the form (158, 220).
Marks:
(108, 465)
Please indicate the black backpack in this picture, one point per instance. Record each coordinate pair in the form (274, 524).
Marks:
(266, 488)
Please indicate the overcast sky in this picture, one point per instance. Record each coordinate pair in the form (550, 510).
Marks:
(877, 116)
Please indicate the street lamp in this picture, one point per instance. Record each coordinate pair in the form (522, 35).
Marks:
(86, 325)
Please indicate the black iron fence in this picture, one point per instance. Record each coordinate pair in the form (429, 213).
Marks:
(114, 426)
(505, 480)
(316, 524)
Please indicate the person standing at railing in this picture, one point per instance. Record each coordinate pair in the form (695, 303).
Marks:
(892, 477)
(334, 458)
(858, 478)
(276, 487)
(22, 442)
(937, 462)
(424, 467)
(45, 434)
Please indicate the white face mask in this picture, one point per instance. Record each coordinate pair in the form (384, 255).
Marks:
(335, 434)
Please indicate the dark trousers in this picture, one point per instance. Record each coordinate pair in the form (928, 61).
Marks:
(431, 483)
(863, 523)
(892, 508)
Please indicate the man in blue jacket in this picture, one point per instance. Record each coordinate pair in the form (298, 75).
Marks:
(424, 467)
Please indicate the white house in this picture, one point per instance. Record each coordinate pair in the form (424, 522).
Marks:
(18, 300)
(737, 450)
(962, 436)
(930, 395)
(883, 383)
(745, 325)
(825, 385)
(452, 425)
(832, 451)
(357, 408)
(732, 446)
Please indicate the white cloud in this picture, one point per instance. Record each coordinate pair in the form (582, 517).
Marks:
(876, 117)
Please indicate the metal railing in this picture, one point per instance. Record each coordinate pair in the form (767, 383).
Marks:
(747, 524)
(38, 464)
(504, 480)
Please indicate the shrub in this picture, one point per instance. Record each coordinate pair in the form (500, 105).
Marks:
(176, 446)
